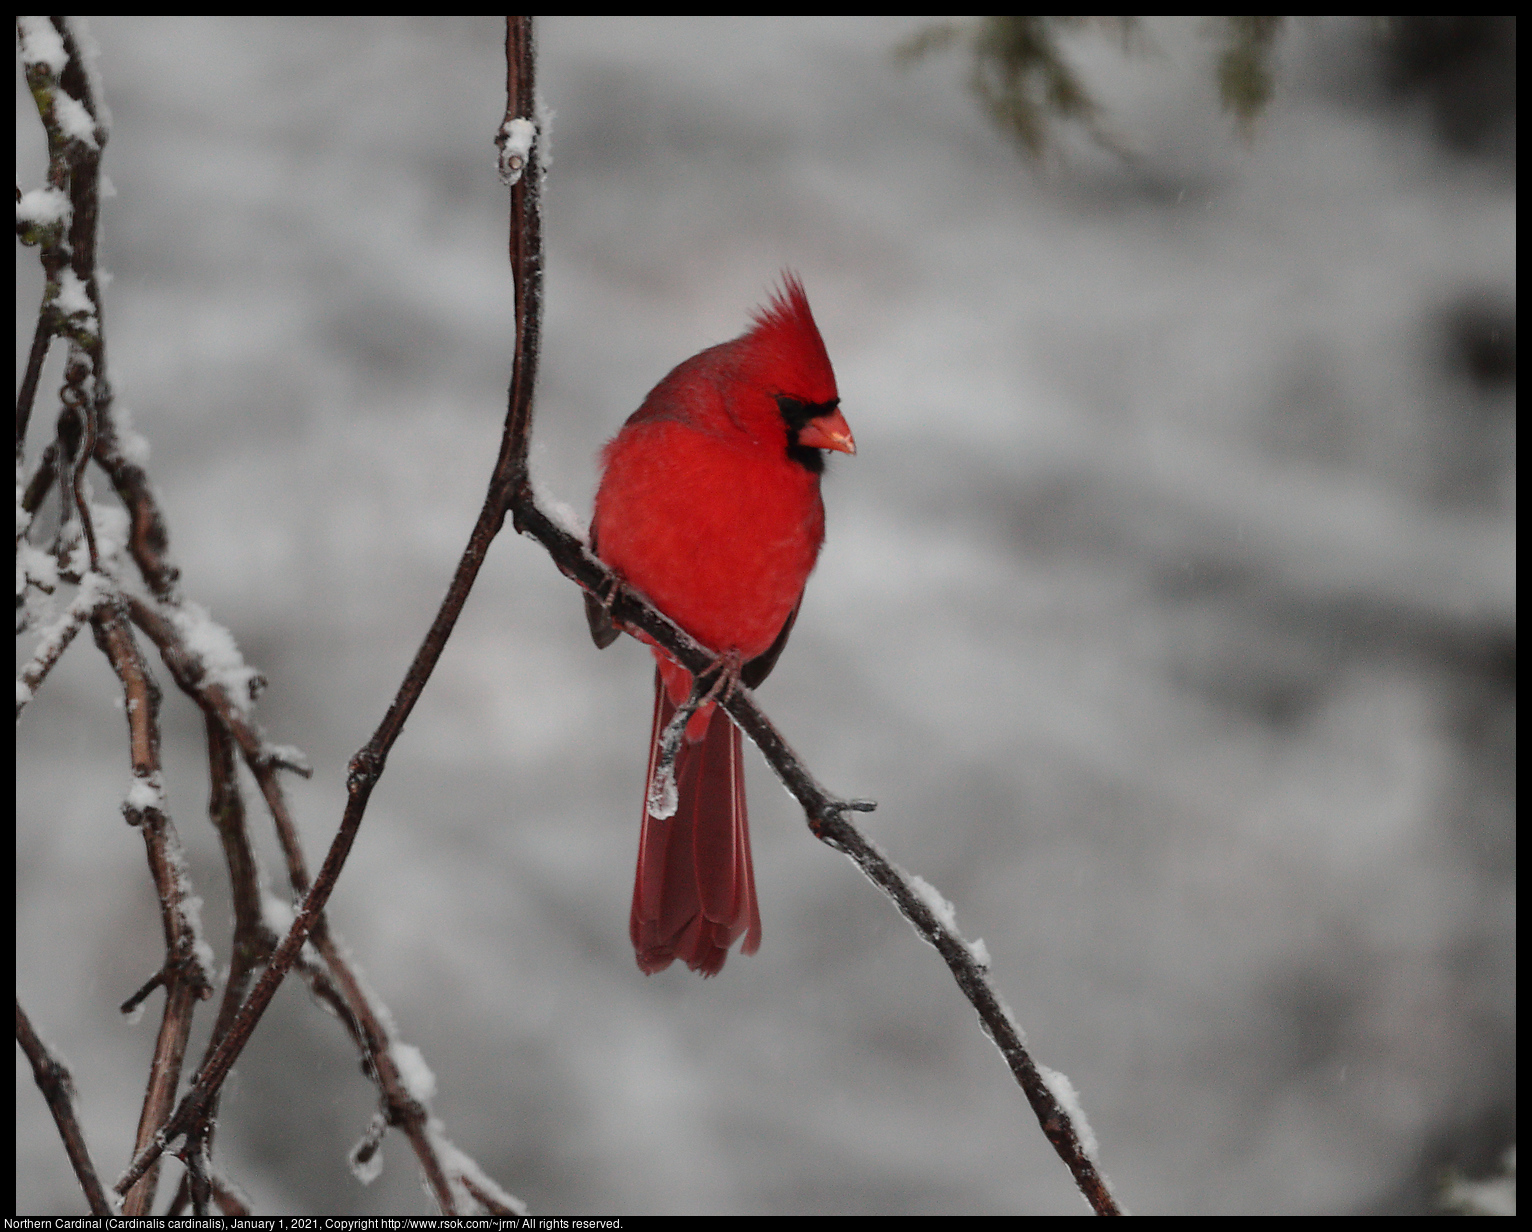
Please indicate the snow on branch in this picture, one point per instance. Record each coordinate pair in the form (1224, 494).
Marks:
(458, 1182)
(86, 550)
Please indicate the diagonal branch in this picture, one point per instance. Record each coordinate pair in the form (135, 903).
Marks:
(510, 490)
(62, 220)
(1051, 1097)
(1050, 1094)
(54, 1081)
(185, 975)
(95, 590)
(368, 764)
(334, 981)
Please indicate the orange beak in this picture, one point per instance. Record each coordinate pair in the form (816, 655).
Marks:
(828, 432)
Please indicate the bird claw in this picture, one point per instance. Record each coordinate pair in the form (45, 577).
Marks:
(599, 601)
(725, 675)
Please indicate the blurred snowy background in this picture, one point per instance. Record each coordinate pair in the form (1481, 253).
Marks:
(1168, 610)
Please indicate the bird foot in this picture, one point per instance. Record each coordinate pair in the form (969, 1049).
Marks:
(724, 675)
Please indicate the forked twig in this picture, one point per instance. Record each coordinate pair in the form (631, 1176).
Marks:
(62, 221)
(186, 975)
(367, 765)
(510, 490)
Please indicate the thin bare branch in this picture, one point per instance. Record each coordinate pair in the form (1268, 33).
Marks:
(368, 764)
(27, 394)
(95, 591)
(251, 944)
(826, 814)
(148, 538)
(56, 1084)
(42, 479)
(226, 1196)
(336, 982)
(252, 941)
(77, 428)
(62, 220)
(187, 978)
(190, 671)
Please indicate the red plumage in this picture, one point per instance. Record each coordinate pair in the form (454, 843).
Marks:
(709, 504)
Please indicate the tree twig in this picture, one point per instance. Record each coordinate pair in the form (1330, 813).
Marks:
(27, 394)
(368, 764)
(187, 975)
(62, 220)
(54, 1081)
(1047, 1092)
(95, 590)
(510, 490)
(335, 980)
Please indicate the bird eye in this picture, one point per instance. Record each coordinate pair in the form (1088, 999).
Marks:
(796, 413)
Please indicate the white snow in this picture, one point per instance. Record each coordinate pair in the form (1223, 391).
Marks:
(370, 1169)
(663, 799)
(41, 44)
(43, 207)
(145, 793)
(563, 513)
(416, 1075)
(90, 52)
(23, 518)
(932, 898)
(73, 119)
(287, 755)
(545, 118)
(1069, 1100)
(459, 1165)
(35, 565)
(215, 646)
(189, 902)
(517, 148)
(278, 914)
(73, 299)
(130, 441)
(191, 907)
(110, 523)
(1010, 1017)
(61, 630)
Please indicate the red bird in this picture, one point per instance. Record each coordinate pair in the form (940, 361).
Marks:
(709, 504)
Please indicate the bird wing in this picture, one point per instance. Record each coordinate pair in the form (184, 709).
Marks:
(760, 667)
(602, 630)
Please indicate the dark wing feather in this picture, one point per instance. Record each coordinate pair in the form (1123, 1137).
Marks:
(760, 667)
(602, 631)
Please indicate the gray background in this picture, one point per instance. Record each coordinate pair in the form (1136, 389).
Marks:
(1167, 609)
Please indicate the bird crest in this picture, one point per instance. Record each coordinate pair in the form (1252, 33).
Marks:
(785, 348)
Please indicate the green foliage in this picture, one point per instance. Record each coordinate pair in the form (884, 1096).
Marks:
(1022, 79)
(1244, 68)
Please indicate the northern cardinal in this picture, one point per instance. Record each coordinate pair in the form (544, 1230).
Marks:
(709, 504)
